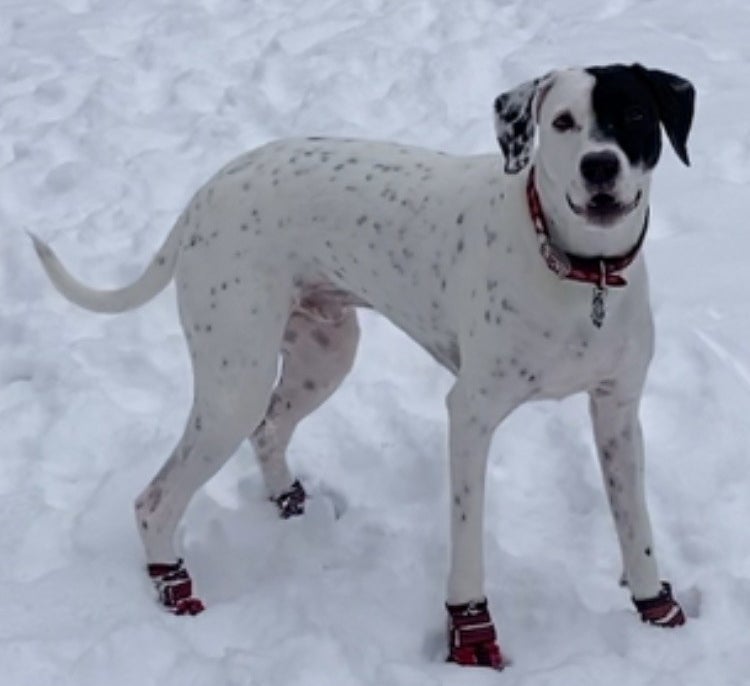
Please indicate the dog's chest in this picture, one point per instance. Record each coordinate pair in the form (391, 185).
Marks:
(543, 343)
(577, 359)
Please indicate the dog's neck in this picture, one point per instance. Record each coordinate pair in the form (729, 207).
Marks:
(573, 234)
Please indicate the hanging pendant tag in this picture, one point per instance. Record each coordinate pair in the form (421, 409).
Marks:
(598, 310)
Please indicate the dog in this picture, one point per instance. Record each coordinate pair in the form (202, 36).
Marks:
(526, 281)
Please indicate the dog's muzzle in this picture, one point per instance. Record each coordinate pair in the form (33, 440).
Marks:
(604, 209)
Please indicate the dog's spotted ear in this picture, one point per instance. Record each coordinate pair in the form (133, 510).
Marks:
(515, 121)
(675, 103)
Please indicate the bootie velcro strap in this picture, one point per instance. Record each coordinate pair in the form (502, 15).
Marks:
(472, 639)
(291, 503)
(175, 588)
(663, 610)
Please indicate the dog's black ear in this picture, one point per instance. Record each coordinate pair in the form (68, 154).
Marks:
(675, 102)
(515, 121)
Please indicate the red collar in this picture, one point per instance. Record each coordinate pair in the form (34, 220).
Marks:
(602, 271)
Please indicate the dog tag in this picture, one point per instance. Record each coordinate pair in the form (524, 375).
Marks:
(598, 310)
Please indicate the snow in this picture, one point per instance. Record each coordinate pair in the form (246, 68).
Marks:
(111, 114)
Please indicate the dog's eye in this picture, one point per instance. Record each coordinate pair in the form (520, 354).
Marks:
(564, 122)
(634, 115)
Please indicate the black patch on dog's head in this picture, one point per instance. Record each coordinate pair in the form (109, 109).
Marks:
(629, 103)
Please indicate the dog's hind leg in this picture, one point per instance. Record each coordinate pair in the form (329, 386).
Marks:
(317, 354)
(235, 364)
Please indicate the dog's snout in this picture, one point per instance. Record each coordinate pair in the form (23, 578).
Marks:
(600, 168)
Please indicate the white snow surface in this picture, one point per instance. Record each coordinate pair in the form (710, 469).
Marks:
(111, 115)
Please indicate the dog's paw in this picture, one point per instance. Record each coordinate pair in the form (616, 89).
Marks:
(663, 610)
(472, 640)
(291, 503)
(175, 588)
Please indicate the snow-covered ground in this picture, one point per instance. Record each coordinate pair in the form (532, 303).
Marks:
(111, 113)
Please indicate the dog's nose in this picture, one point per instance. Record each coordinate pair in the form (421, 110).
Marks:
(600, 168)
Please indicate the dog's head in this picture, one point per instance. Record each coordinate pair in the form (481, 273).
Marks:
(599, 134)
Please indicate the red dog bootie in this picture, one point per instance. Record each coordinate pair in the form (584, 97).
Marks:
(471, 636)
(175, 588)
(663, 610)
(291, 503)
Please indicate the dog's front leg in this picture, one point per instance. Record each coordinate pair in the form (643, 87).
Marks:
(619, 443)
(471, 633)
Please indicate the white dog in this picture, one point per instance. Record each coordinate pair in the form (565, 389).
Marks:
(525, 283)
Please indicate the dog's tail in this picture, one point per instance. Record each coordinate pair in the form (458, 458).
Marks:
(153, 280)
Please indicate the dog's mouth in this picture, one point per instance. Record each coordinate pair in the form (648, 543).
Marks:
(604, 208)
